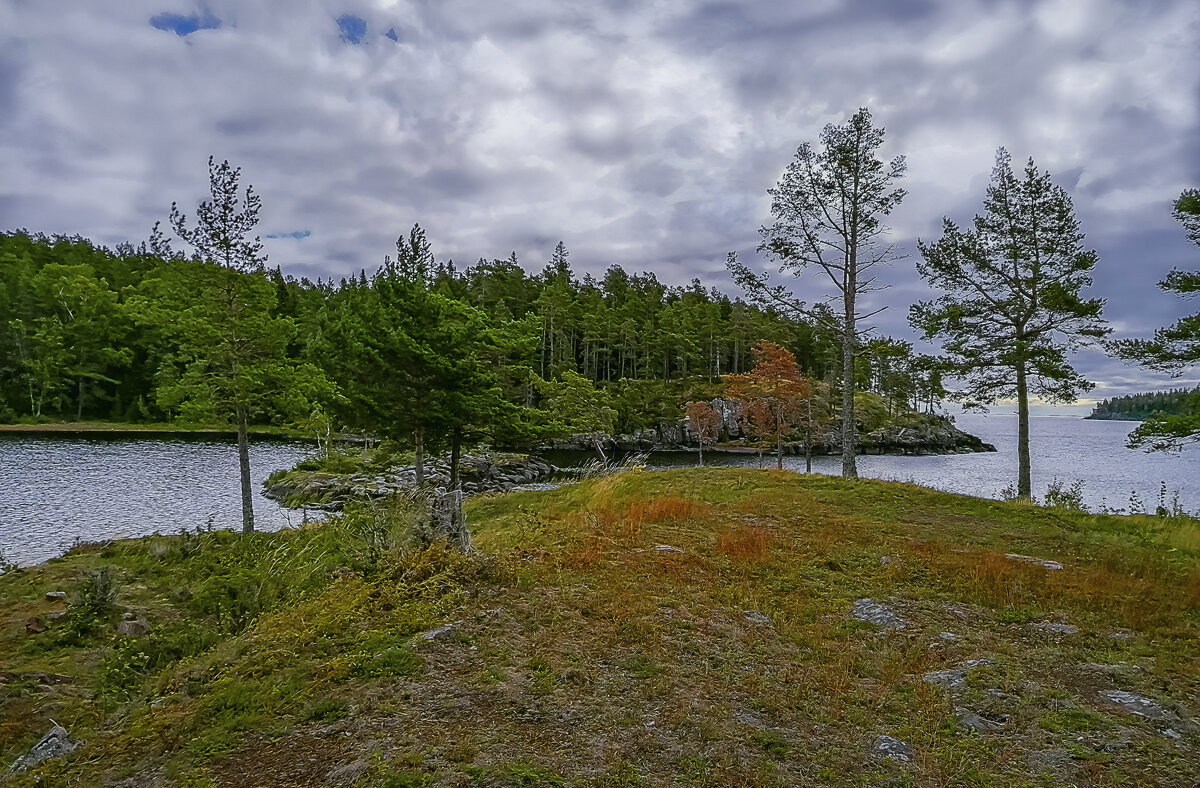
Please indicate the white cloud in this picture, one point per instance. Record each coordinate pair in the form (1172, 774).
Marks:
(644, 134)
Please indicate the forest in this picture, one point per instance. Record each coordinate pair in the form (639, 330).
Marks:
(1136, 407)
(91, 333)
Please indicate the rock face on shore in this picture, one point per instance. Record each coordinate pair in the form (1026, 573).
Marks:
(331, 491)
(923, 434)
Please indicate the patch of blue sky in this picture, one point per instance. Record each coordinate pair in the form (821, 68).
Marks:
(182, 25)
(392, 34)
(353, 29)
(295, 234)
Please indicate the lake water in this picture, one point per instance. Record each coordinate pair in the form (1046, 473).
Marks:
(56, 489)
(1065, 448)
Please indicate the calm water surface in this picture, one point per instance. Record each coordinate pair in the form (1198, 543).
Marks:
(55, 490)
(1068, 449)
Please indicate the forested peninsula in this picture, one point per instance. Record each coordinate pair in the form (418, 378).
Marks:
(1138, 407)
(110, 335)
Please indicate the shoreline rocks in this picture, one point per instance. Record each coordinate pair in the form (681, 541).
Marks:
(926, 434)
(331, 491)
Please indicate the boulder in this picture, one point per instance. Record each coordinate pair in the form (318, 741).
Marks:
(757, 618)
(955, 677)
(877, 613)
(1138, 704)
(56, 742)
(890, 747)
(133, 628)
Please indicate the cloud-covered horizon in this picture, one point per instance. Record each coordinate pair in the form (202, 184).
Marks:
(640, 134)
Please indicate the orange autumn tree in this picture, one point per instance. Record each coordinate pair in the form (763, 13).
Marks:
(771, 395)
(704, 422)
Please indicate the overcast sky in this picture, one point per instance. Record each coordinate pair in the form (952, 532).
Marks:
(640, 133)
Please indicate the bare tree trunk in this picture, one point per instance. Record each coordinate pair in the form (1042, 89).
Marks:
(701, 454)
(243, 439)
(419, 451)
(1024, 480)
(849, 433)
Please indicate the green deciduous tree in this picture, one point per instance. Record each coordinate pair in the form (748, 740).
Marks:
(1174, 348)
(1011, 309)
(574, 405)
(828, 210)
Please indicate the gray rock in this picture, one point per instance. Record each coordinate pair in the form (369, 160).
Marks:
(757, 618)
(889, 747)
(749, 718)
(1042, 562)
(955, 677)
(877, 613)
(1138, 704)
(949, 637)
(56, 742)
(977, 723)
(1056, 762)
(1057, 628)
(442, 633)
(134, 628)
(56, 596)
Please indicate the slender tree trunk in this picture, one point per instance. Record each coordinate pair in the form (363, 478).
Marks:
(1024, 481)
(701, 454)
(79, 402)
(849, 433)
(243, 438)
(778, 445)
(419, 451)
(808, 456)
(599, 450)
(455, 450)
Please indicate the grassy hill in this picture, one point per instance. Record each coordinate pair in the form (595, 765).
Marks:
(687, 627)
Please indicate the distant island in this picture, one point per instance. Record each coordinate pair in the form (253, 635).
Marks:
(1137, 407)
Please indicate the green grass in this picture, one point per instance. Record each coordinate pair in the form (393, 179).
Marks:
(585, 655)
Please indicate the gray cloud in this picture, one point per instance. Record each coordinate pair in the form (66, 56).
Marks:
(644, 134)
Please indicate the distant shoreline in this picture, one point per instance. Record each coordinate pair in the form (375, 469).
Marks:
(144, 430)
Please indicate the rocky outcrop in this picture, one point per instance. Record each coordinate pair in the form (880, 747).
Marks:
(921, 434)
(331, 491)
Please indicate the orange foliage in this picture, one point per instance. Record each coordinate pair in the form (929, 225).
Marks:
(746, 542)
(771, 394)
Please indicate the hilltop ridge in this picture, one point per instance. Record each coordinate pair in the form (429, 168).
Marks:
(690, 627)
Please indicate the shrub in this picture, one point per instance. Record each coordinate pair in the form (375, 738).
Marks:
(329, 710)
(1067, 498)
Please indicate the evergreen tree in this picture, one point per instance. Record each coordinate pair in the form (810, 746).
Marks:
(230, 350)
(1174, 348)
(1011, 309)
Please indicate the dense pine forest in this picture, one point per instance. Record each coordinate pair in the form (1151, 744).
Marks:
(92, 333)
(1136, 407)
